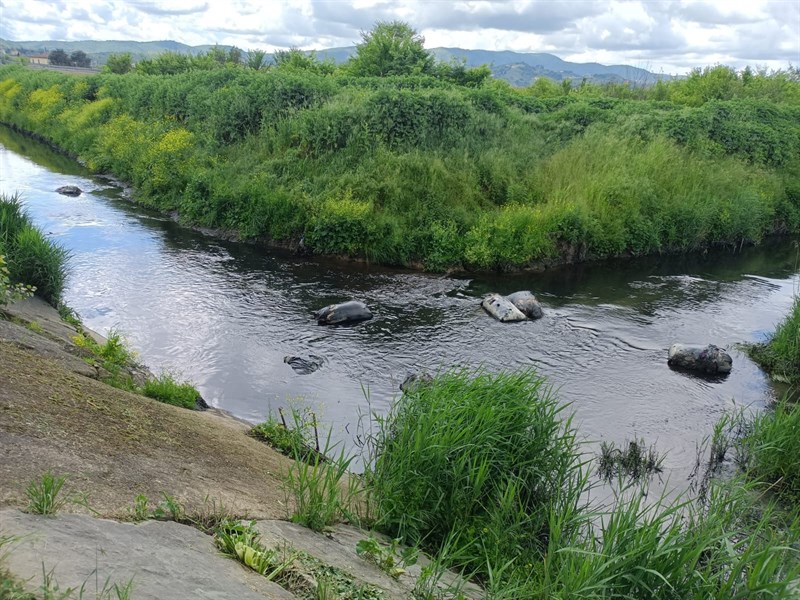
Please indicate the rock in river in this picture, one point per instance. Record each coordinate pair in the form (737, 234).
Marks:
(415, 381)
(703, 359)
(502, 309)
(527, 304)
(304, 366)
(69, 190)
(346, 312)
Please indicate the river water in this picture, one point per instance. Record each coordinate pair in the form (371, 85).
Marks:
(225, 314)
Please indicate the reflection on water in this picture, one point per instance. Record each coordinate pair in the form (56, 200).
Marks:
(225, 314)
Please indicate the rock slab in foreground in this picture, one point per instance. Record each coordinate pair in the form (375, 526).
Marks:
(527, 304)
(346, 312)
(69, 190)
(502, 309)
(165, 560)
(702, 359)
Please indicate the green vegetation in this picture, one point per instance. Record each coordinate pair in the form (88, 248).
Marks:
(321, 491)
(634, 460)
(771, 449)
(483, 471)
(780, 356)
(389, 558)
(397, 159)
(30, 262)
(166, 388)
(44, 495)
(11, 292)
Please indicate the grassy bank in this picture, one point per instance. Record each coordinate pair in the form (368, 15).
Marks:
(485, 472)
(30, 258)
(780, 355)
(438, 167)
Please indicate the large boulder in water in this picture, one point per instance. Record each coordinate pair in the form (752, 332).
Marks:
(502, 309)
(702, 359)
(527, 304)
(346, 312)
(69, 190)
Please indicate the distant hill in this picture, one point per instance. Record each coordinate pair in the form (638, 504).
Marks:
(518, 68)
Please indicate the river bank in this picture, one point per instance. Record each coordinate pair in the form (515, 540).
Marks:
(480, 179)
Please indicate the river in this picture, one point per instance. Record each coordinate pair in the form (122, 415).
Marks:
(224, 315)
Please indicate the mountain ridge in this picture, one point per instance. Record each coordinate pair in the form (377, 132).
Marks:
(518, 68)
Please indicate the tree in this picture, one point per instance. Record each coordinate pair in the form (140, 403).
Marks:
(119, 63)
(256, 59)
(295, 59)
(391, 48)
(59, 57)
(79, 59)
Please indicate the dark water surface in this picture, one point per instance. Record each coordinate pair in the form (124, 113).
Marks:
(225, 314)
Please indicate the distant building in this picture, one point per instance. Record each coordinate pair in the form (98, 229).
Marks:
(39, 59)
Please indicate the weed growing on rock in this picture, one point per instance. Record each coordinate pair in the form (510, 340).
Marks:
(44, 495)
(389, 558)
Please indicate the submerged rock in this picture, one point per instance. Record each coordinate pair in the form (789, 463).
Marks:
(415, 381)
(69, 190)
(702, 359)
(302, 365)
(502, 309)
(346, 312)
(527, 304)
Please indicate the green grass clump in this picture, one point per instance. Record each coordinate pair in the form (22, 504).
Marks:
(168, 389)
(286, 441)
(485, 458)
(30, 257)
(772, 449)
(780, 356)
(634, 460)
(44, 495)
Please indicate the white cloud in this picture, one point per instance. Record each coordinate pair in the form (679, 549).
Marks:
(669, 36)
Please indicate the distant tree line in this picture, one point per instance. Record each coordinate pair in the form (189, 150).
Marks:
(76, 59)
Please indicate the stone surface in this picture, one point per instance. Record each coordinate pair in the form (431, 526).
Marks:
(346, 312)
(702, 359)
(69, 190)
(38, 312)
(337, 548)
(527, 304)
(502, 309)
(164, 560)
(22, 337)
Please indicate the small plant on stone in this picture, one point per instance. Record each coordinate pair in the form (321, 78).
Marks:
(141, 511)
(44, 494)
(388, 558)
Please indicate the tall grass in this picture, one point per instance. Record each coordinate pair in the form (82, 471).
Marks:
(485, 458)
(780, 356)
(486, 470)
(31, 258)
(772, 449)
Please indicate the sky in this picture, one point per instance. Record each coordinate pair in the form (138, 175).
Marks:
(661, 36)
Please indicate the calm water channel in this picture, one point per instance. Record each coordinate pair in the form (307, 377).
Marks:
(225, 314)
